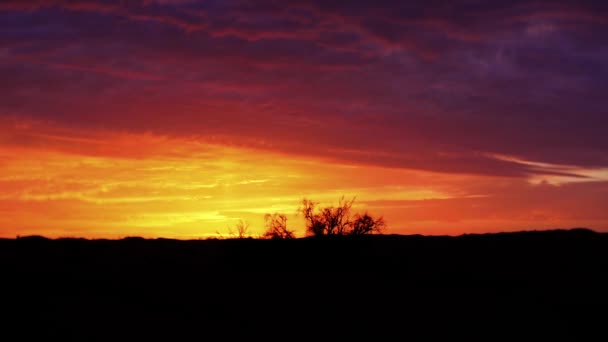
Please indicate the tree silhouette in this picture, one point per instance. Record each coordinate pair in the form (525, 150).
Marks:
(276, 227)
(242, 228)
(366, 224)
(338, 220)
(241, 231)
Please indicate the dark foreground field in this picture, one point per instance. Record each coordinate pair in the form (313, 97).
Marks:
(535, 285)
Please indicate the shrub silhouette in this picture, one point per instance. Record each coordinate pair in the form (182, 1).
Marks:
(242, 228)
(276, 227)
(241, 231)
(366, 224)
(338, 220)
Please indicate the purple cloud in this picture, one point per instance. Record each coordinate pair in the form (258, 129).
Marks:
(430, 85)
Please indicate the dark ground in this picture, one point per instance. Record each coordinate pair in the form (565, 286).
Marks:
(524, 286)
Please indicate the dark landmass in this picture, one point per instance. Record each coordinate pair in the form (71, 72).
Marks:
(528, 285)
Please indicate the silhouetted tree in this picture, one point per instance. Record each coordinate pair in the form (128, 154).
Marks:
(276, 227)
(240, 231)
(366, 224)
(338, 220)
(242, 228)
(314, 224)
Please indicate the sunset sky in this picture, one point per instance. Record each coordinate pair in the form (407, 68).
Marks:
(176, 118)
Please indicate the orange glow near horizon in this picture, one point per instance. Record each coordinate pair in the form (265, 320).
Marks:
(157, 186)
(111, 185)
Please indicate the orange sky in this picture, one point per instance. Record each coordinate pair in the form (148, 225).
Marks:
(109, 184)
(179, 118)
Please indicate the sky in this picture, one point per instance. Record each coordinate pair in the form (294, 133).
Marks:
(177, 118)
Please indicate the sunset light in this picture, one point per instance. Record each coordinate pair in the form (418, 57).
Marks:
(160, 118)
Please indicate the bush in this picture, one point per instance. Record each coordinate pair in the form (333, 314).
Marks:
(276, 227)
(338, 220)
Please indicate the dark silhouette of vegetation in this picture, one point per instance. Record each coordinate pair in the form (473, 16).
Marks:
(320, 221)
(339, 220)
(241, 230)
(276, 227)
(365, 224)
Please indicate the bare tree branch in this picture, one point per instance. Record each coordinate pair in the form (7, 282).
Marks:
(338, 220)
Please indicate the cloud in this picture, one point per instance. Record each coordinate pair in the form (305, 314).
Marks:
(137, 10)
(429, 86)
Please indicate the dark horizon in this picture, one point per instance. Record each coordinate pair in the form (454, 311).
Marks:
(546, 284)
